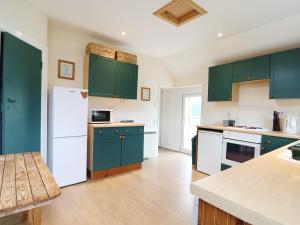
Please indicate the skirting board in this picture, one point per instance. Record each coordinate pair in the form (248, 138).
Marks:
(113, 171)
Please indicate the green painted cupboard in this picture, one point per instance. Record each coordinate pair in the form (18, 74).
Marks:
(220, 83)
(285, 75)
(119, 146)
(270, 143)
(126, 80)
(112, 78)
(257, 68)
(21, 79)
(102, 76)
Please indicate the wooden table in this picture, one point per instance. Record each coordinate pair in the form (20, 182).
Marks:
(26, 184)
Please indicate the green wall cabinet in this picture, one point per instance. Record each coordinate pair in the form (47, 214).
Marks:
(102, 76)
(111, 78)
(220, 83)
(270, 143)
(21, 79)
(126, 80)
(285, 75)
(119, 146)
(257, 68)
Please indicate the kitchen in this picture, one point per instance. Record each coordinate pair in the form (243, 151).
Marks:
(124, 139)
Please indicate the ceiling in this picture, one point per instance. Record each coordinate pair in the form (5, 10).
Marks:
(152, 36)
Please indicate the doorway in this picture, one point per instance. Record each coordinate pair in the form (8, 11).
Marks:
(191, 117)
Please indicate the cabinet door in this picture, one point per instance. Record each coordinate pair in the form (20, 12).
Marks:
(126, 80)
(132, 149)
(106, 153)
(102, 76)
(285, 75)
(257, 68)
(21, 95)
(269, 143)
(220, 83)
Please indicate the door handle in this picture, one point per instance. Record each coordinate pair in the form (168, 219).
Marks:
(11, 100)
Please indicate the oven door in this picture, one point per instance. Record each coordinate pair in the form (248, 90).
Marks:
(236, 152)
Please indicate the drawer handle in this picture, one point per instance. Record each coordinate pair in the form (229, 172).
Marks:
(117, 131)
(269, 142)
(141, 130)
(126, 131)
(100, 132)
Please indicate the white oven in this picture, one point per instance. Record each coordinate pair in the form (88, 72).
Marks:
(240, 147)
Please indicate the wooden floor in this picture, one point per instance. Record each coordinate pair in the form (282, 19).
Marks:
(156, 195)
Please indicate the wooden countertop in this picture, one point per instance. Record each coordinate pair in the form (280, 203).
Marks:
(103, 125)
(262, 191)
(261, 132)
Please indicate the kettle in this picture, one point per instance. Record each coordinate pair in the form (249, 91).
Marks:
(291, 124)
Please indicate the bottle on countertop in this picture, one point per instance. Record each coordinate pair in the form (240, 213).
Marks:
(276, 121)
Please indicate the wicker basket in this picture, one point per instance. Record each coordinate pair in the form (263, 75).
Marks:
(126, 57)
(97, 49)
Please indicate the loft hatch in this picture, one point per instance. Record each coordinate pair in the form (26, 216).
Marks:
(178, 12)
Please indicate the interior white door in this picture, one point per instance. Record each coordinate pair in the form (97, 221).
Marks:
(69, 112)
(69, 160)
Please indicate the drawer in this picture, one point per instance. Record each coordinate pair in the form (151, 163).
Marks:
(132, 130)
(270, 143)
(107, 132)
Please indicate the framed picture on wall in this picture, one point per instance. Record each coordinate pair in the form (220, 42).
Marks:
(66, 70)
(145, 94)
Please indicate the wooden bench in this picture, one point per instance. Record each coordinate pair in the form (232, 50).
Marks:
(26, 184)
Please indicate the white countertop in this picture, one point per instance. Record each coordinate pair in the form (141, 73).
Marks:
(243, 130)
(262, 191)
(118, 124)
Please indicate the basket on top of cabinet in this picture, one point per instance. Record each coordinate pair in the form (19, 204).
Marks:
(101, 50)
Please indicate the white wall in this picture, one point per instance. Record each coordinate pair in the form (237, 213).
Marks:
(21, 19)
(253, 108)
(70, 45)
(172, 114)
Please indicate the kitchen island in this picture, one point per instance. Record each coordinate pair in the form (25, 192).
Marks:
(262, 191)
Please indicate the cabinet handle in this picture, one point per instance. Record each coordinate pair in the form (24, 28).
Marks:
(141, 130)
(126, 131)
(269, 142)
(100, 132)
(117, 131)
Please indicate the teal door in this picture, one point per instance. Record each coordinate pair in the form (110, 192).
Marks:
(220, 83)
(107, 153)
(21, 95)
(257, 68)
(102, 76)
(132, 149)
(285, 75)
(126, 80)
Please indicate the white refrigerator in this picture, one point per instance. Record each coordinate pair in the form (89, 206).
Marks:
(68, 135)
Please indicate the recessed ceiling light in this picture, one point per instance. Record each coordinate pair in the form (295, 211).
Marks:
(123, 33)
(220, 34)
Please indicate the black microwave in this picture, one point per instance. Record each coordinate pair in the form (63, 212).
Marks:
(101, 116)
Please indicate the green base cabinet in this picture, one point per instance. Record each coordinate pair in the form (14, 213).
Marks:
(132, 149)
(225, 167)
(118, 146)
(220, 83)
(285, 75)
(270, 143)
(107, 153)
(257, 68)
